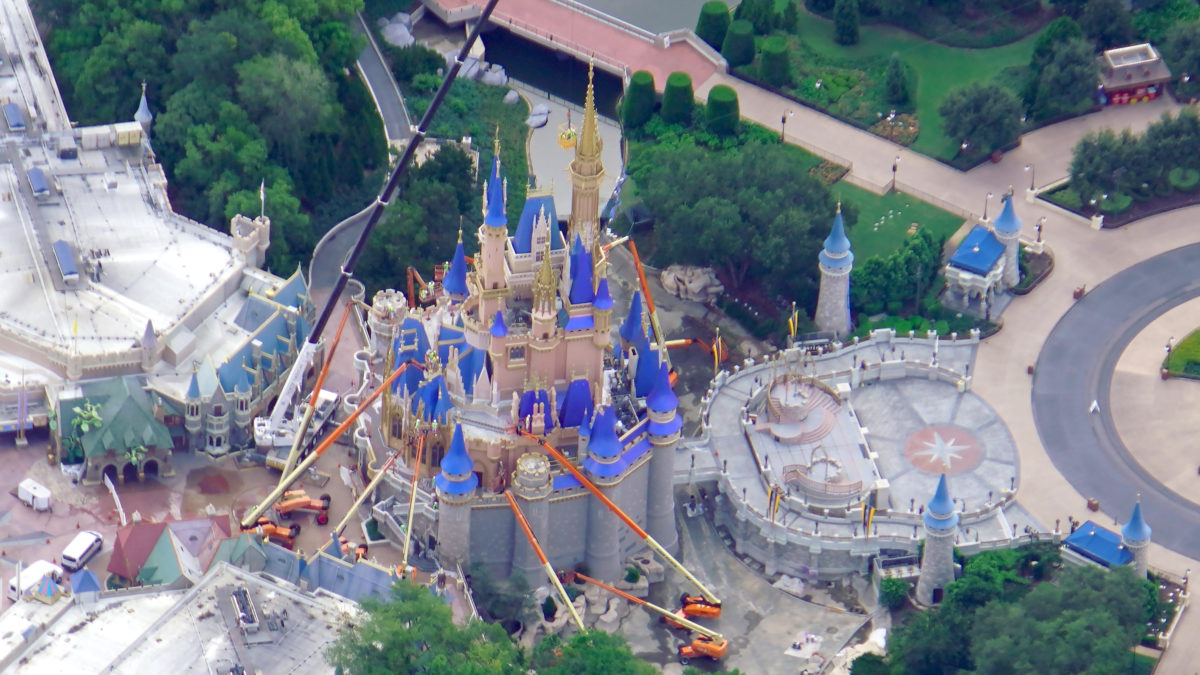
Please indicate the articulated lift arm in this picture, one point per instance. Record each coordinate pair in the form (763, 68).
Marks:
(662, 552)
(302, 430)
(412, 499)
(665, 613)
(562, 593)
(253, 514)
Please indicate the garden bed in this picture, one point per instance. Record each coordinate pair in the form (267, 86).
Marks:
(1068, 199)
(1035, 267)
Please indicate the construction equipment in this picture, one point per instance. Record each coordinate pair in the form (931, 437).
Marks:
(278, 450)
(298, 501)
(655, 326)
(285, 536)
(390, 190)
(708, 595)
(412, 498)
(709, 643)
(562, 593)
(289, 478)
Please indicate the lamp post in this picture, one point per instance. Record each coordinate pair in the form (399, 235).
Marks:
(1041, 223)
(895, 165)
(783, 124)
(1032, 176)
(985, 206)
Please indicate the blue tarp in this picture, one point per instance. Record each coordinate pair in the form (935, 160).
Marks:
(978, 252)
(1098, 544)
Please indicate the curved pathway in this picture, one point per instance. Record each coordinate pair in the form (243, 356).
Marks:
(1076, 366)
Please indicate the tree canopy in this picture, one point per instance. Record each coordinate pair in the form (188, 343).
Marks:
(244, 93)
(591, 653)
(985, 116)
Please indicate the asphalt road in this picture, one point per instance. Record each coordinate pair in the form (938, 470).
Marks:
(1076, 366)
(383, 87)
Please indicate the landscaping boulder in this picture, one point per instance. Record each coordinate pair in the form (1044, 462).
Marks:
(692, 283)
(494, 76)
(397, 34)
(404, 19)
(512, 96)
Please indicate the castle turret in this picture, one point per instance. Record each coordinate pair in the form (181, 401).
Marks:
(388, 309)
(937, 562)
(631, 328)
(531, 485)
(1008, 230)
(216, 423)
(587, 170)
(455, 282)
(602, 306)
(833, 301)
(1135, 537)
(242, 392)
(456, 484)
(143, 115)
(545, 296)
(493, 237)
(581, 275)
(662, 408)
(603, 463)
(149, 347)
(192, 419)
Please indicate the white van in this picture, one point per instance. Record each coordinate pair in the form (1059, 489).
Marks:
(81, 549)
(31, 575)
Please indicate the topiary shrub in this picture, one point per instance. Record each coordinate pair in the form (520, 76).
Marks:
(738, 47)
(549, 608)
(678, 98)
(1116, 203)
(774, 68)
(896, 82)
(1184, 179)
(893, 592)
(845, 22)
(638, 103)
(713, 23)
(723, 113)
(632, 574)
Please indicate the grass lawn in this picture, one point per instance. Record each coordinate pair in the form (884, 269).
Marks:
(884, 220)
(1185, 357)
(940, 69)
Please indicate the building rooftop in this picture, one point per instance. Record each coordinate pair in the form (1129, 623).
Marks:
(978, 252)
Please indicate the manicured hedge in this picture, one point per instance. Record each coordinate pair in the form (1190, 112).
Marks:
(713, 23)
(723, 112)
(738, 47)
(638, 103)
(774, 69)
(678, 98)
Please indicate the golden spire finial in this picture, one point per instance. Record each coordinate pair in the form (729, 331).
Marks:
(496, 141)
(543, 285)
(589, 137)
(839, 206)
(460, 230)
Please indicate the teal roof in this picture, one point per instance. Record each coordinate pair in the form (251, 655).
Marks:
(126, 413)
(1007, 222)
(1136, 529)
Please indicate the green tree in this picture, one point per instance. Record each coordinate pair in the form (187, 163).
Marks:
(985, 116)
(738, 48)
(678, 98)
(1182, 53)
(722, 110)
(790, 20)
(775, 68)
(869, 664)
(760, 13)
(415, 632)
(713, 22)
(593, 652)
(289, 99)
(893, 592)
(845, 22)
(1066, 84)
(1095, 159)
(896, 81)
(1107, 23)
(1058, 31)
(413, 60)
(638, 103)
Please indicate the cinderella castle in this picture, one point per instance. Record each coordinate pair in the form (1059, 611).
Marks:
(510, 349)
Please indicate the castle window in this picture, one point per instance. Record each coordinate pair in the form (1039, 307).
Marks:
(516, 353)
(218, 410)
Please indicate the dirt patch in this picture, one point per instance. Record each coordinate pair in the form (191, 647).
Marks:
(211, 480)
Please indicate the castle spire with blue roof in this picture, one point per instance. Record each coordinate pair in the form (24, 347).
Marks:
(143, 116)
(632, 327)
(494, 198)
(581, 275)
(836, 262)
(1135, 537)
(941, 530)
(456, 485)
(1007, 228)
(455, 282)
(457, 476)
(490, 267)
(664, 424)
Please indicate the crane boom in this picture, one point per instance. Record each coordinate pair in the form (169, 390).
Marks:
(288, 479)
(654, 545)
(666, 613)
(412, 498)
(562, 592)
(654, 325)
(366, 491)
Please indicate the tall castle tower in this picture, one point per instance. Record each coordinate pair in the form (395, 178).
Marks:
(1008, 230)
(456, 484)
(937, 562)
(492, 272)
(587, 170)
(1135, 537)
(833, 301)
(662, 405)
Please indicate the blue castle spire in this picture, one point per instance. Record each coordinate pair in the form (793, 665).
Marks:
(632, 327)
(495, 216)
(193, 390)
(836, 253)
(662, 398)
(1007, 222)
(581, 274)
(1136, 529)
(455, 282)
(499, 328)
(603, 299)
(939, 512)
(603, 441)
(456, 476)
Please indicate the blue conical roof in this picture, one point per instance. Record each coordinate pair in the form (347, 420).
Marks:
(499, 328)
(837, 241)
(455, 282)
(243, 383)
(457, 462)
(939, 513)
(647, 368)
(1136, 529)
(632, 328)
(495, 216)
(603, 441)
(603, 297)
(662, 398)
(143, 115)
(193, 390)
(1007, 222)
(581, 275)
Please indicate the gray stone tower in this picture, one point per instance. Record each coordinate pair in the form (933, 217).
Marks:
(661, 406)
(604, 451)
(833, 302)
(192, 419)
(1135, 537)
(937, 562)
(531, 486)
(456, 484)
(1008, 230)
(143, 116)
